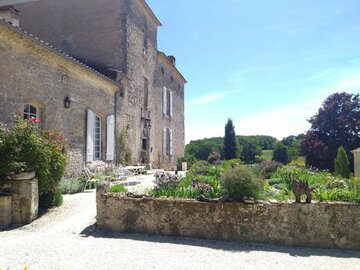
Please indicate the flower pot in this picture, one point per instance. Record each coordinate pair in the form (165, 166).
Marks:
(5, 210)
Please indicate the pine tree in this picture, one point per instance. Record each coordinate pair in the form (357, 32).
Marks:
(342, 163)
(230, 147)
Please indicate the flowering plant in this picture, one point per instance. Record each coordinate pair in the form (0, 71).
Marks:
(24, 148)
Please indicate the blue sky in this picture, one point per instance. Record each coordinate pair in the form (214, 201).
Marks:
(268, 65)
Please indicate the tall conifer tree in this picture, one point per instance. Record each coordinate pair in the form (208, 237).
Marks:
(230, 147)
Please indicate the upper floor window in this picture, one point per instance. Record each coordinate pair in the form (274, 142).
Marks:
(167, 102)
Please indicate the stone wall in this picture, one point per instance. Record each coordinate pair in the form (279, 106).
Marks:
(31, 72)
(315, 225)
(25, 197)
(122, 35)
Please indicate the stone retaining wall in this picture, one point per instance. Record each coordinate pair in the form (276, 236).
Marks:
(316, 225)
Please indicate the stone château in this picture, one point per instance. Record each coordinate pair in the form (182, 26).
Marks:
(92, 70)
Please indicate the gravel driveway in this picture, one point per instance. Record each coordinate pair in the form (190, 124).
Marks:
(64, 238)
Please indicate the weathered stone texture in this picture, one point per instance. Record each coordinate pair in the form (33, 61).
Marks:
(35, 74)
(315, 225)
(25, 197)
(122, 35)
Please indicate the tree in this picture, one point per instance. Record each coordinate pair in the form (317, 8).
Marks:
(342, 163)
(230, 147)
(336, 123)
(281, 154)
(249, 153)
(200, 149)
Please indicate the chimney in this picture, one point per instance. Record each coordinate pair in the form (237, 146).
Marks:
(10, 14)
(172, 59)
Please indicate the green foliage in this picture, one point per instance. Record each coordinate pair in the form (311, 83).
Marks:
(241, 182)
(57, 198)
(25, 148)
(249, 153)
(230, 146)
(214, 157)
(72, 185)
(336, 124)
(342, 163)
(118, 188)
(201, 149)
(281, 154)
(267, 167)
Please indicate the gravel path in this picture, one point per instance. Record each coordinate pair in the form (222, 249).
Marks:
(64, 238)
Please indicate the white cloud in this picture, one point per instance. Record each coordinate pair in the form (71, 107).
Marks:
(350, 84)
(212, 97)
(324, 73)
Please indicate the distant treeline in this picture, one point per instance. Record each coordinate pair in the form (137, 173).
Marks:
(201, 149)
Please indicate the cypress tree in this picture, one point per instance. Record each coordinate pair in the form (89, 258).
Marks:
(230, 148)
(342, 163)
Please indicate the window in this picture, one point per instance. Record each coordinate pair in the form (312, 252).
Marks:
(97, 137)
(167, 102)
(93, 137)
(167, 142)
(30, 111)
(146, 93)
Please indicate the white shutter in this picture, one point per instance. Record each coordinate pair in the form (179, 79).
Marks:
(171, 142)
(164, 142)
(171, 103)
(110, 137)
(164, 100)
(90, 135)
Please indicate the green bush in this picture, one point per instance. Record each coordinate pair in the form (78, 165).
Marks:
(118, 188)
(241, 182)
(72, 185)
(342, 163)
(57, 198)
(25, 147)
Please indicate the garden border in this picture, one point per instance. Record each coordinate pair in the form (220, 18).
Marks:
(326, 225)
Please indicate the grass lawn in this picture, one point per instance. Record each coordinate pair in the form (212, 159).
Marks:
(267, 154)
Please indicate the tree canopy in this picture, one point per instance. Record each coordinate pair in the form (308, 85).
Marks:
(336, 124)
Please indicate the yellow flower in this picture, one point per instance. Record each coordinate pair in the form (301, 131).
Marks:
(26, 268)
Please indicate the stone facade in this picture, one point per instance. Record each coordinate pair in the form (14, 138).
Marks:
(25, 197)
(34, 73)
(335, 225)
(119, 39)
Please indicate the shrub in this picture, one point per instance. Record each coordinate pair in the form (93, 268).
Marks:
(57, 198)
(281, 154)
(25, 148)
(72, 185)
(118, 188)
(342, 163)
(267, 167)
(214, 157)
(241, 182)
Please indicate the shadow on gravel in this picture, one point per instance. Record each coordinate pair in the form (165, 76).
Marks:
(221, 245)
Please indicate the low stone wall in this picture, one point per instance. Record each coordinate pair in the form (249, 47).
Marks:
(315, 225)
(25, 197)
